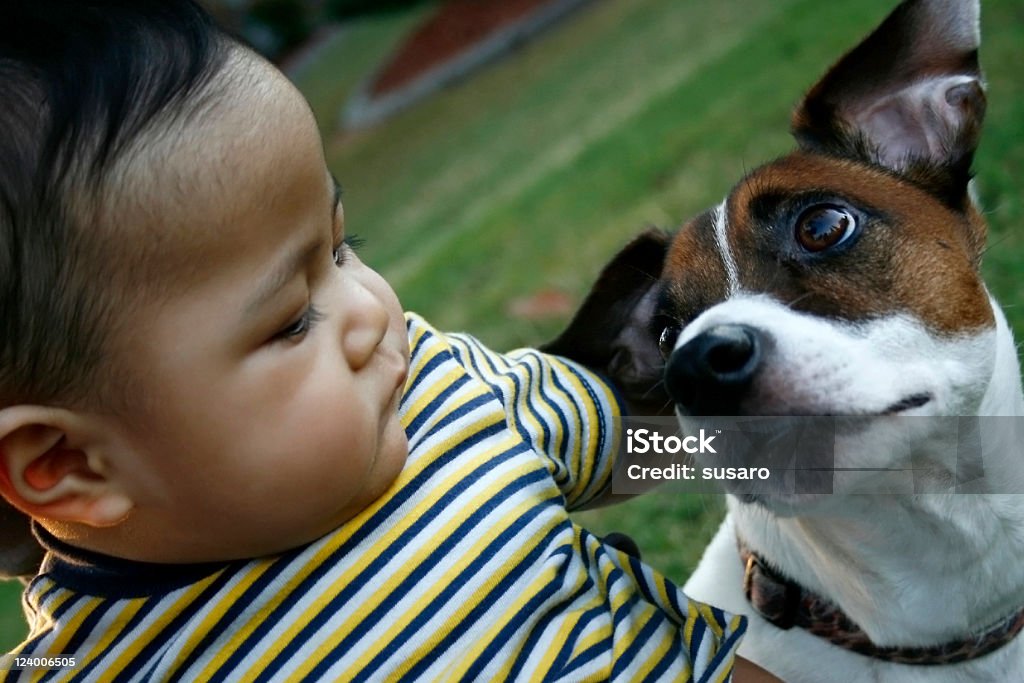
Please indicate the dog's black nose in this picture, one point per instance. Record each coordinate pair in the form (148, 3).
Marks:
(710, 374)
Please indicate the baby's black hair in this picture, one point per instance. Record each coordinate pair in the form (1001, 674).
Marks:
(81, 81)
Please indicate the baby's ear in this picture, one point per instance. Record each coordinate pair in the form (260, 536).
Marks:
(52, 470)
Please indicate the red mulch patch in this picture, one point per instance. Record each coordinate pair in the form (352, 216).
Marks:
(453, 27)
(543, 304)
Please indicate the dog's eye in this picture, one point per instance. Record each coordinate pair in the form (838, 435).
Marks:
(667, 340)
(824, 226)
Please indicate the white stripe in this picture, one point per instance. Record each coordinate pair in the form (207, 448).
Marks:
(721, 230)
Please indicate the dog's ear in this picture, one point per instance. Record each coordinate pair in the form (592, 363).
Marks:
(909, 98)
(610, 333)
(20, 552)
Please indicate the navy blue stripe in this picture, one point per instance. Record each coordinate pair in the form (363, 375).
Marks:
(435, 405)
(84, 631)
(669, 657)
(528, 649)
(459, 413)
(623, 661)
(624, 610)
(41, 596)
(724, 647)
(562, 659)
(510, 404)
(603, 427)
(66, 606)
(586, 657)
(173, 630)
(641, 580)
(696, 638)
(132, 623)
(724, 650)
(418, 346)
(398, 643)
(496, 593)
(228, 620)
(577, 428)
(440, 355)
(673, 591)
(524, 614)
(373, 527)
(435, 361)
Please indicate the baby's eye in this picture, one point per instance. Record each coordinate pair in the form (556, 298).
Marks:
(350, 243)
(301, 327)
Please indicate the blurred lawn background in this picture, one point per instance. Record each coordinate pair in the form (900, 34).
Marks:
(528, 176)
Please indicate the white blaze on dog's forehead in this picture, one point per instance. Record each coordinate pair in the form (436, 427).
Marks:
(722, 240)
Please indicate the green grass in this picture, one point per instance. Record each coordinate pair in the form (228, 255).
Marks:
(531, 174)
(12, 621)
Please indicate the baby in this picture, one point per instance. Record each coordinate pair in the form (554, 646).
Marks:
(243, 461)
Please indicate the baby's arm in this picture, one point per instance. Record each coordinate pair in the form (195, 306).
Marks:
(567, 414)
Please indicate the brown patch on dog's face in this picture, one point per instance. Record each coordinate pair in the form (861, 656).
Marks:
(906, 253)
(694, 276)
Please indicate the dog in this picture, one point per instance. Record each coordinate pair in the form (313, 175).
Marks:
(843, 280)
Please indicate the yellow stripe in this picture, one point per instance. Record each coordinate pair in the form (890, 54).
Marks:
(713, 624)
(43, 620)
(557, 643)
(516, 402)
(64, 634)
(466, 395)
(158, 627)
(691, 618)
(498, 574)
(113, 631)
(67, 630)
(458, 669)
(652, 659)
(384, 543)
(573, 418)
(601, 629)
(659, 587)
(220, 609)
(640, 612)
(589, 440)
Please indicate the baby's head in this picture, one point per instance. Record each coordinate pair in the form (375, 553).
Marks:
(193, 364)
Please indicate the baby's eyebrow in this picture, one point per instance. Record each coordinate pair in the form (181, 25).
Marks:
(279, 278)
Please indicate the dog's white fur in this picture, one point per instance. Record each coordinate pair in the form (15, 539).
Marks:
(949, 561)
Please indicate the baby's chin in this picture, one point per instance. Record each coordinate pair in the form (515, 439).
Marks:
(386, 468)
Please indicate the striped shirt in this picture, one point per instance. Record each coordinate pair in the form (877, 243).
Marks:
(468, 568)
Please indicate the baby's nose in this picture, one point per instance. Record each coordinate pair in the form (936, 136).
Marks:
(366, 325)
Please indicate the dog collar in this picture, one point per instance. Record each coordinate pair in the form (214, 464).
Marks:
(786, 604)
